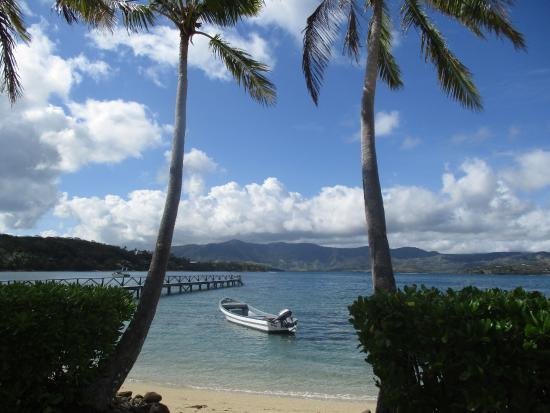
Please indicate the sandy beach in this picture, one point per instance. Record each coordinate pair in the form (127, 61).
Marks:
(184, 400)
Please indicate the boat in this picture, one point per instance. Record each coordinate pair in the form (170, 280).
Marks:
(121, 273)
(248, 316)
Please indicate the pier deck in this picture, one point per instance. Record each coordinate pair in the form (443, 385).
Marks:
(173, 284)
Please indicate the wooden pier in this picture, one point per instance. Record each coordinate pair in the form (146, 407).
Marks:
(173, 284)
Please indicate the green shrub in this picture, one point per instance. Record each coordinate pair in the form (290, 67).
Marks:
(458, 351)
(53, 341)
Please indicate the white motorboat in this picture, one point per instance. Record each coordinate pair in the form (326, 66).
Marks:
(248, 316)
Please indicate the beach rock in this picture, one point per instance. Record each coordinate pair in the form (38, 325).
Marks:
(366, 411)
(152, 397)
(159, 408)
(142, 408)
(124, 394)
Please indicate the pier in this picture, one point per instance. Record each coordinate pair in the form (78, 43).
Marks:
(173, 284)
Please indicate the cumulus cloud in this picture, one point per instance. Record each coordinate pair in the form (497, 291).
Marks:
(196, 166)
(386, 122)
(161, 45)
(290, 16)
(474, 210)
(42, 140)
(531, 172)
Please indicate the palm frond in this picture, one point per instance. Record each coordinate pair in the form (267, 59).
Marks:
(228, 12)
(103, 13)
(247, 72)
(11, 27)
(96, 13)
(319, 35)
(454, 78)
(388, 69)
(482, 15)
(352, 43)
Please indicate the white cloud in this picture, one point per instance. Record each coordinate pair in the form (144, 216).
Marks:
(196, 165)
(532, 171)
(41, 140)
(386, 122)
(288, 15)
(161, 45)
(97, 70)
(98, 132)
(473, 211)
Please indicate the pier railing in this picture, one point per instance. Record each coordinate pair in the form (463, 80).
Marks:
(172, 283)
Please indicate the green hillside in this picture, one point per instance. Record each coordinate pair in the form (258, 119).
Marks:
(312, 257)
(73, 254)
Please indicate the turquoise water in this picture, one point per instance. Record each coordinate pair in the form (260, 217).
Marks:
(191, 344)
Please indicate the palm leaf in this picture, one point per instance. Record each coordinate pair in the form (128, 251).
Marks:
(228, 12)
(480, 15)
(11, 27)
(247, 72)
(352, 43)
(388, 69)
(102, 13)
(455, 78)
(319, 35)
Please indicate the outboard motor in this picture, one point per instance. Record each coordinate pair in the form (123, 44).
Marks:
(285, 318)
(286, 313)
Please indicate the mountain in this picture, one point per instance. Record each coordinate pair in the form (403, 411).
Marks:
(73, 254)
(312, 257)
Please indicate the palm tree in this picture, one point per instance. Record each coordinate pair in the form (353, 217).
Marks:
(187, 16)
(479, 16)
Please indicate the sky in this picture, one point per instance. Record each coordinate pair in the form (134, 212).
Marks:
(84, 152)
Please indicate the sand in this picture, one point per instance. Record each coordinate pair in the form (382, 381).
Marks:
(188, 400)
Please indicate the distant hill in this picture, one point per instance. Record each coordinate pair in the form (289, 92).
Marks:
(312, 257)
(73, 254)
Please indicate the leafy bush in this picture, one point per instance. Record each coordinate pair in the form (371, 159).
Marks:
(54, 339)
(458, 351)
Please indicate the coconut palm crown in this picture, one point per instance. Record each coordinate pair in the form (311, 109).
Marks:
(481, 17)
(478, 16)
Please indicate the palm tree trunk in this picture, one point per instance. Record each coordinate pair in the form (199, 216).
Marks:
(379, 249)
(100, 393)
(382, 271)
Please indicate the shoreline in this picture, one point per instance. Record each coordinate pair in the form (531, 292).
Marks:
(188, 399)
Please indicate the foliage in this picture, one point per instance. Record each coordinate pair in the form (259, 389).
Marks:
(54, 339)
(12, 27)
(457, 351)
(478, 16)
(73, 254)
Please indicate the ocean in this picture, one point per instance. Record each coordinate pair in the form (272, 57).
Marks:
(190, 344)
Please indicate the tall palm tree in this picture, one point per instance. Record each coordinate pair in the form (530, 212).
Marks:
(188, 17)
(479, 16)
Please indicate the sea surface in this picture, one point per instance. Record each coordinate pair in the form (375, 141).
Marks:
(191, 344)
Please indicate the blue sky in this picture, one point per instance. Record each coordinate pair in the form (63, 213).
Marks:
(85, 149)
